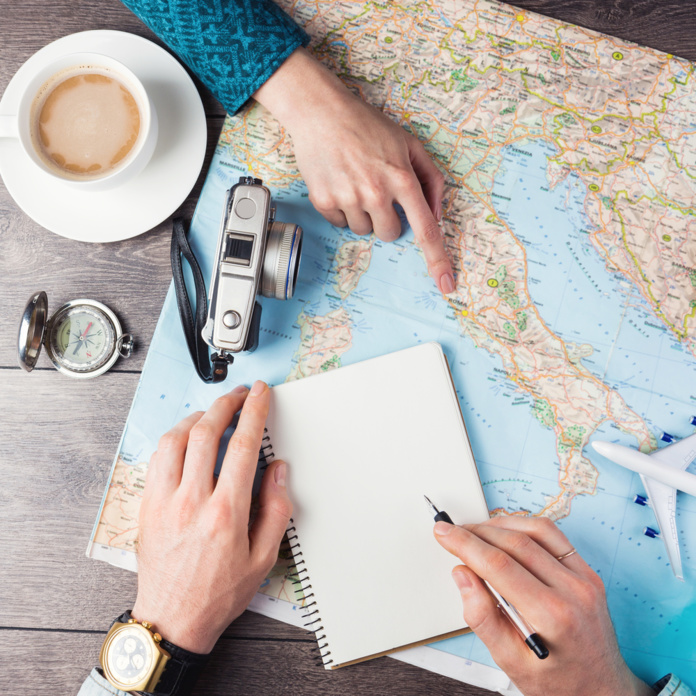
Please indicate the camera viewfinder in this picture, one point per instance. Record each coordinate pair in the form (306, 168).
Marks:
(239, 248)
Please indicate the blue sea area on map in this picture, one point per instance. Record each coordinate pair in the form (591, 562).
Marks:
(504, 435)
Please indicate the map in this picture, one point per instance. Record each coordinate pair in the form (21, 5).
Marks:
(570, 217)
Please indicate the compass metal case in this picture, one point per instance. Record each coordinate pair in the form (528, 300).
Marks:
(83, 338)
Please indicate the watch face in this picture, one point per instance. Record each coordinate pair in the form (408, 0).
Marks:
(130, 657)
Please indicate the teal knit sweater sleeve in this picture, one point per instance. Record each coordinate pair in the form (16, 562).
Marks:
(233, 46)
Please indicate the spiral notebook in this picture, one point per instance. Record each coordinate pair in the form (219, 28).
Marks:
(364, 444)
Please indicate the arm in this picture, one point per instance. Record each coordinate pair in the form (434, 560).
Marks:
(199, 561)
(233, 46)
(563, 600)
(357, 163)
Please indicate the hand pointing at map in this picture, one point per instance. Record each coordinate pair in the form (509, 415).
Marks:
(356, 162)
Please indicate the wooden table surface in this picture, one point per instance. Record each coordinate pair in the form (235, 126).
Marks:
(58, 436)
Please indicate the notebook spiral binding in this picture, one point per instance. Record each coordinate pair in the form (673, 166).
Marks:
(266, 451)
(297, 572)
(300, 577)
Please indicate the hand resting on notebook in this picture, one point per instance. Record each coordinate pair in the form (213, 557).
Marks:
(357, 162)
(199, 563)
(563, 599)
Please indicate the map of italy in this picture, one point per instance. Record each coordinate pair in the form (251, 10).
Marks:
(499, 77)
(569, 215)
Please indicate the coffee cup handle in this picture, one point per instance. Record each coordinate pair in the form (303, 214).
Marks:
(8, 126)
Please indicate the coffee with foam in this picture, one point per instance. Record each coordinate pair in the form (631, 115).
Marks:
(85, 122)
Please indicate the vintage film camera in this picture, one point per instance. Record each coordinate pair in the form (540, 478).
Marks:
(256, 254)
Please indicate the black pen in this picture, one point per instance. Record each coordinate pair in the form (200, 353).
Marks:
(530, 638)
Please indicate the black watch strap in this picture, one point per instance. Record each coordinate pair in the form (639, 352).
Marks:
(182, 669)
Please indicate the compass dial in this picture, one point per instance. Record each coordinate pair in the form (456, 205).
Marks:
(82, 339)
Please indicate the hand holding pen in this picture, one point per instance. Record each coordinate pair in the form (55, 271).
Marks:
(530, 563)
(530, 637)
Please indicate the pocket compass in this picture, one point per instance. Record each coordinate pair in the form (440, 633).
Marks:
(83, 338)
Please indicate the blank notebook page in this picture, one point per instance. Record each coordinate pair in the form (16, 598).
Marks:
(364, 444)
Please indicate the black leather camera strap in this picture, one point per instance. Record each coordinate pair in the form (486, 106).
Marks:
(210, 368)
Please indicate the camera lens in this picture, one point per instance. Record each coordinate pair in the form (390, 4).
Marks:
(282, 260)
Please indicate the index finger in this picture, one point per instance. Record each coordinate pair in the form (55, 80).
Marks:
(236, 477)
(167, 462)
(506, 575)
(428, 235)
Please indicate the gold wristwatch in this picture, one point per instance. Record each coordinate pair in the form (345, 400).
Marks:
(136, 659)
(132, 658)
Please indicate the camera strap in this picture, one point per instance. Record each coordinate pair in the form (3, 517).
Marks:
(210, 368)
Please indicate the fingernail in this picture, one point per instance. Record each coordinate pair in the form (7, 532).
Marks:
(240, 389)
(438, 214)
(443, 528)
(280, 474)
(461, 580)
(447, 283)
(258, 388)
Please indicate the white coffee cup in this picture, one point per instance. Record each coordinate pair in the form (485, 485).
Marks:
(23, 124)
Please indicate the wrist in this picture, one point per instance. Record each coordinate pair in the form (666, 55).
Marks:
(299, 89)
(175, 628)
(642, 688)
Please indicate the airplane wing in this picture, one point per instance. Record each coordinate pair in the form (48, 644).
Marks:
(678, 454)
(663, 498)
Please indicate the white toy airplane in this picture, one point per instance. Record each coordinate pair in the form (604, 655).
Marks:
(662, 473)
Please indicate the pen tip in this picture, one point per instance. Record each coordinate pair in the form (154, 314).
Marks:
(430, 504)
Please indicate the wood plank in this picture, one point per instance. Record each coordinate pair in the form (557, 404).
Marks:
(59, 436)
(59, 439)
(50, 497)
(131, 277)
(30, 25)
(61, 661)
(48, 512)
(667, 26)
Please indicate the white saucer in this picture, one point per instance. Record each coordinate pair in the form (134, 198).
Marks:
(141, 203)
